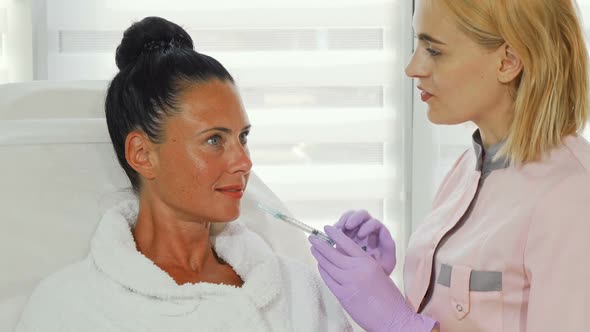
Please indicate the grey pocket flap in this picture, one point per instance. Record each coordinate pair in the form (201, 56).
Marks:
(479, 281)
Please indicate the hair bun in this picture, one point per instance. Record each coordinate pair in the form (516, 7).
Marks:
(150, 35)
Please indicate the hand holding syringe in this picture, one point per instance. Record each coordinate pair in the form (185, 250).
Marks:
(306, 228)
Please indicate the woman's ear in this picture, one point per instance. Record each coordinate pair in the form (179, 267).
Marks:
(510, 64)
(140, 154)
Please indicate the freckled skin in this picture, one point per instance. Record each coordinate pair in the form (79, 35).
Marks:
(190, 168)
(179, 199)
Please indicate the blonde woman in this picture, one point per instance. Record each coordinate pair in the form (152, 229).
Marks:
(505, 246)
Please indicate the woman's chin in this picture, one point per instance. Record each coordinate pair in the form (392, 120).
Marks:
(230, 219)
(229, 216)
(438, 118)
(435, 117)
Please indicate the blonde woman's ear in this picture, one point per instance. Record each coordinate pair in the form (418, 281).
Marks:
(510, 65)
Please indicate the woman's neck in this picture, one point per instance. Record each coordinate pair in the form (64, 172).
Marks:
(181, 248)
(491, 137)
(494, 129)
(494, 123)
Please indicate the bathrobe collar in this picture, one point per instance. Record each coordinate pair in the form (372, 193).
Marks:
(114, 252)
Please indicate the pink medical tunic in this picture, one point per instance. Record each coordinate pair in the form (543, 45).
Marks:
(506, 248)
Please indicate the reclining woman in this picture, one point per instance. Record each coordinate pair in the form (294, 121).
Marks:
(180, 132)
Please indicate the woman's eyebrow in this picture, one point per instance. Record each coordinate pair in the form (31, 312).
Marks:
(428, 38)
(223, 129)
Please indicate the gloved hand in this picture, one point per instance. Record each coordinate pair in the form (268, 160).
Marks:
(363, 289)
(370, 233)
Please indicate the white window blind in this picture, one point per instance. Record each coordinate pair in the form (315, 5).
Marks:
(322, 81)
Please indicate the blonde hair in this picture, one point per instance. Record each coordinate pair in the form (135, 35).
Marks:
(551, 93)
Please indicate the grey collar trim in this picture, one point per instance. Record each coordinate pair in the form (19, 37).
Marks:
(485, 158)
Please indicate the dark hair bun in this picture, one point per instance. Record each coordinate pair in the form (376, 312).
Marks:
(152, 34)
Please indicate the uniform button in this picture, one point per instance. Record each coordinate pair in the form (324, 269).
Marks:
(459, 308)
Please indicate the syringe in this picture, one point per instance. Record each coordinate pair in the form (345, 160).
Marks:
(304, 227)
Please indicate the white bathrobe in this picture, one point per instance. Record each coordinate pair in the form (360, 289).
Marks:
(116, 288)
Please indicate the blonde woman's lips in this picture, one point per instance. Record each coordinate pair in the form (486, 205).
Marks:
(424, 95)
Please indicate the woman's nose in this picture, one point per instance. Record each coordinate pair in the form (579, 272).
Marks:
(417, 67)
(241, 161)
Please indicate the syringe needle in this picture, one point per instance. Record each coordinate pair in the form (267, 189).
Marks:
(304, 227)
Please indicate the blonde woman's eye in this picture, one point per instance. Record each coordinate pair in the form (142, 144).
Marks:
(432, 52)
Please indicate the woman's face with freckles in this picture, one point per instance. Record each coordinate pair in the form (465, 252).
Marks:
(203, 162)
(457, 77)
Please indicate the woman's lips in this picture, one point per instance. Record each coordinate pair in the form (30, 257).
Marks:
(232, 194)
(425, 96)
(233, 191)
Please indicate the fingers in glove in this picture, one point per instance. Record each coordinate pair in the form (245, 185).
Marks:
(333, 255)
(371, 226)
(337, 274)
(332, 284)
(373, 240)
(386, 240)
(356, 219)
(351, 233)
(343, 242)
(343, 219)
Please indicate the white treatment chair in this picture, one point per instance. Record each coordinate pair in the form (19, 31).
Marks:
(58, 174)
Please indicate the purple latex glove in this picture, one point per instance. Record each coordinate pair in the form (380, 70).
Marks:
(370, 234)
(359, 283)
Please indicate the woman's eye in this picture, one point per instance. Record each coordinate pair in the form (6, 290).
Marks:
(244, 137)
(432, 52)
(214, 140)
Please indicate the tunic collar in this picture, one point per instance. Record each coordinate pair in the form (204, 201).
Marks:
(485, 158)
